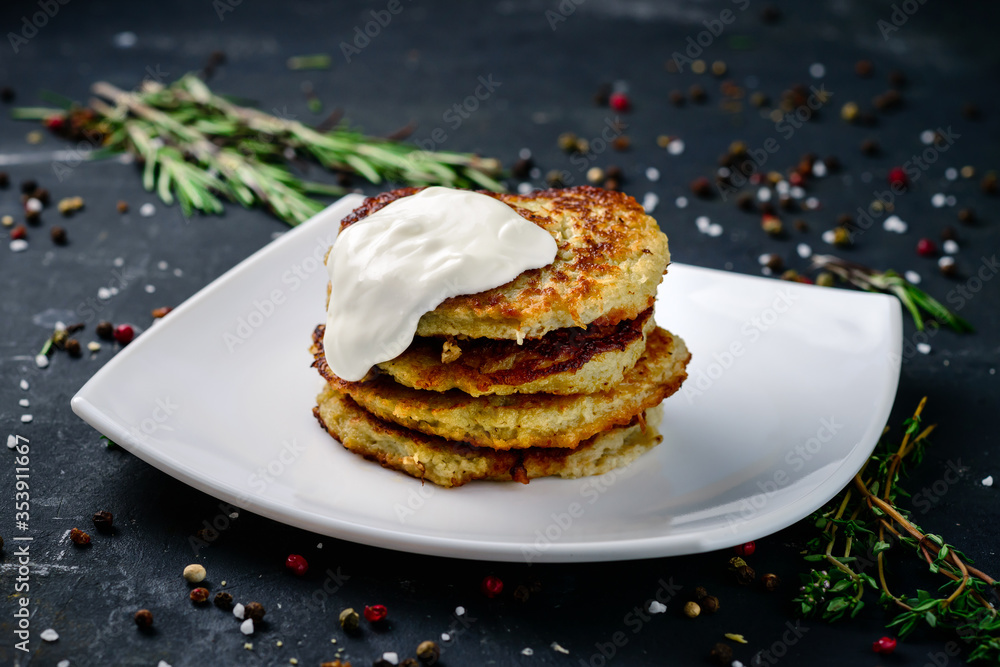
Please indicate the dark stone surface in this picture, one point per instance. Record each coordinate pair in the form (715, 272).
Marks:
(425, 61)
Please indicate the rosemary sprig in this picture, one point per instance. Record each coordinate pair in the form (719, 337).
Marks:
(863, 524)
(199, 148)
(917, 302)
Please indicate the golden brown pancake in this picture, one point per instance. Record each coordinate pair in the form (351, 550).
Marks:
(611, 257)
(521, 420)
(449, 463)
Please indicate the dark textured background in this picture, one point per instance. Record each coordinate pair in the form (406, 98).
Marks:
(425, 61)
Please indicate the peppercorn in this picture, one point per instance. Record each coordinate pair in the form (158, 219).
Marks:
(832, 163)
(949, 233)
(72, 346)
(602, 95)
(58, 235)
(19, 232)
(29, 186)
(841, 237)
(947, 266)
(745, 575)
(409, 662)
(144, 618)
(701, 187)
(870, 147)
(721, 654)
(801, 225)
(254, 611)
(223, 600)
(611, 184)
(375, 613)
(885, 645)
(825, 279)
(692, 609)
(745, 202)
(849, 112)
(567, 142)
(890, 99)
(335, 663)
(163, 311)
(771, 581)
(428, 652)
(522, 593)
(989, 184)
(700, 592)
(102, 521)
(897, 78)
(554, 179)
(195, 573)
(971, 111)
(614, 171)
(582, 146)
(198, 595)
(522, 168)
(710, 604)
(772, 261)
(926, 248)
(966, 216)
(771, 224)
(382, 662)
(105, 330)
(863, 68)
(619, 102)
(349, 620)
(122, 206)
(697, 94)
(4, 179)
(79, 538)
(296, 564)
(124, 334)
(676, 98)
(759, 99)
(621, 143)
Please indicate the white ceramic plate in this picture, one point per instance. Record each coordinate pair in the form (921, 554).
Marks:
(789, 388)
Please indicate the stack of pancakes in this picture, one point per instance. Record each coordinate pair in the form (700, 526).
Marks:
(557, 372)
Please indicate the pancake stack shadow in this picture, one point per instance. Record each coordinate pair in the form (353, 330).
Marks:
(557, 373)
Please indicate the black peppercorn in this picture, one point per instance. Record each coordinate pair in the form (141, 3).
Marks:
(721, 654)
(144, 618)
(522, 593)
(223, 600)
(105, 330)
(254, 611)
(745, 201)
(58, 235)
(676, 98)
(966, 216)
(73, 347)
(701, 188)
(869, 147)
(989, 184)
(522, 168)
(4, 179)
(700, 592)
(6, 94)
(710, 604)
(27, 187)
(697, 94)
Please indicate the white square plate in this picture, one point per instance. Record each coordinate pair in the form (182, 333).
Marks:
(789, 388)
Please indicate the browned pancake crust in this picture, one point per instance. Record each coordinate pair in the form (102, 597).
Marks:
(611, 257)
(522, 420)
(565, 361)
(451, 464)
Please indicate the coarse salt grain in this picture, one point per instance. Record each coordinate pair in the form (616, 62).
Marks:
(163, 663)
(804, 250)
(41, 361)
(923, 348)
(118, 261)
(49, 635)
(829, 236)
(103, 293)
(676, 147)
(913, 277)
(391, 657)
(819, 169)
(18, 245)
(988, 481)
(33, 206)
(653, 174)
(649, 202)
(714, 229)
(524, 154)
(147, 210)
(766, 270)
(24, 402)
(178, 273)
(559, 649)
(11, 441)
(797, 192)
(946, 262)
(162, 265)
(535, 172)
(238, 610)
(782, 187)
(817, 70)
(524, 188)
(459, 611)
(125, 40)
(24, 385)
(764, 194)
(94, 346)
(950, 200)
(62, 663)
(702, 223)
(246, 627)
(656, 607)
(951, 173)
(527, 651)
(927, 137)
(681, 202)
(445, 637)
(950, 246)
(938, 200)
(894, 224)
(812, 203)
(150, 289)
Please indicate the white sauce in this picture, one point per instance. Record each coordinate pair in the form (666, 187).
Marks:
(402, 261)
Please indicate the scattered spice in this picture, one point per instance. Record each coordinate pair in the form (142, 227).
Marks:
(124, 334)
(771, 581)
(491, 586)
(19, 232)
(198, 595)
(428, 652)
(989, 184)
(825, 279)
(619, 102)
(897, 178)
(254, 611)
(947, 266)
(621, 143)
(296, 564)
(870, 147)
(885, 645)
(739, 639)
(721, 654)
(79, 538)
(927, 248)
(105, 330)
(58, 235)
(771, 224)
(676, 98)
(744, 573)
(144, 618)
(122, 206)
(161, 312)
(700, 592)
(701, 187)
(710, 604)
(195, 573)
(375, 613)
(223, 600)
(849, 112)
(692, 609)
(67, 206)
(73, 348)
(864, 68)
(349, 620)
(745, 549)
(697, 94)
(966, 216)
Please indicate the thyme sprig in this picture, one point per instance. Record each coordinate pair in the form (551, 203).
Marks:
(199, 148)
(917, 302)
(863, 524)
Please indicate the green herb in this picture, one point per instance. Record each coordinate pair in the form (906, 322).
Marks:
(317, 61)
(919, 303)
(198, 148)
(863, 524)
